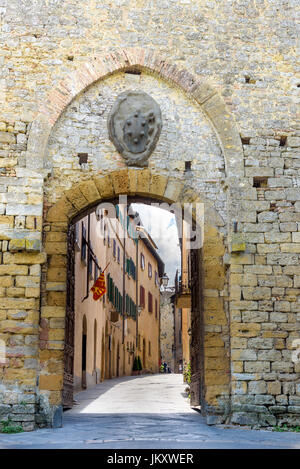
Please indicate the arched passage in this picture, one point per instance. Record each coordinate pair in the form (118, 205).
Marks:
(83, 190)
(209, 343)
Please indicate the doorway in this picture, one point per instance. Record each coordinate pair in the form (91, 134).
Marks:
(83, 354)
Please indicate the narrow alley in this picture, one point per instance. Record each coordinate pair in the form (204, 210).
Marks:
(147, 411)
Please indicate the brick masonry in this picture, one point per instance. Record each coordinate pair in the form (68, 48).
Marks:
(224, 76)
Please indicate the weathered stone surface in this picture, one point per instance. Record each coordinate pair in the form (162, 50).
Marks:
(253, 180)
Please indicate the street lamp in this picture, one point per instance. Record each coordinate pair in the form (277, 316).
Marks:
(164, 280)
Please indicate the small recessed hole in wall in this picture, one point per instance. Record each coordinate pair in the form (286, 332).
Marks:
(260, 181)
(34, 223)
(245, 140)
(187, 165)
(282, 142)
(272, 207)
(133, 71)
(298, 86)
(249, 80)
(70, 57)
(83, 158)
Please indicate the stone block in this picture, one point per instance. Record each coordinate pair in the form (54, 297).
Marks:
(16, 245)
(33, 245)
(244, 418)
(245, 330)
(256, 293)
(257, 366)
(277, 237)
(282, 259)
(257, 387)
(293, 142)
(50, 382)
(6, 137)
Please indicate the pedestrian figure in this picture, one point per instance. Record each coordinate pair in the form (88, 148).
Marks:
(169, 369)
(165, 367)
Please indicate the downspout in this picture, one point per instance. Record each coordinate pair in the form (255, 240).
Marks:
(88, 259)
(124, 302)
(137, 291)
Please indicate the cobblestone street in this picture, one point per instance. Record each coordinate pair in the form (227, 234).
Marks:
(148, 411)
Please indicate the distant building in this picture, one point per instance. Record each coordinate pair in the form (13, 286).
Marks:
(124, 323)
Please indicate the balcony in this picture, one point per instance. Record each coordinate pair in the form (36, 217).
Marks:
(182, 290)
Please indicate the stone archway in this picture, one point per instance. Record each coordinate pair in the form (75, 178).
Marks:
(144, 183)
(136, 59)
(138, 183)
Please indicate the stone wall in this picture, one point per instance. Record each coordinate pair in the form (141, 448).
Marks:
(230, 67)
(265, 287)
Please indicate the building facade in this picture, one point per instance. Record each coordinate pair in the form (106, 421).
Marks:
(110, 333)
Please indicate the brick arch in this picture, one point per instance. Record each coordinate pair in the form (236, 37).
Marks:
(150, 61)
(133, 182)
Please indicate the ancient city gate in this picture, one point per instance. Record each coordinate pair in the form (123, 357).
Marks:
(197, 133)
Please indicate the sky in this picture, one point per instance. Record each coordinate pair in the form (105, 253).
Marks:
(161, 225)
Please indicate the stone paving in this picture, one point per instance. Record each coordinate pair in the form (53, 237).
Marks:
(149, 411)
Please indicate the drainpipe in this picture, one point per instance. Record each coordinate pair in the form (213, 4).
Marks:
(124, 294)
(137, 291)
(88, 259)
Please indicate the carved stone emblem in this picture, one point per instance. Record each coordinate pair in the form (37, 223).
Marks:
(134, 126)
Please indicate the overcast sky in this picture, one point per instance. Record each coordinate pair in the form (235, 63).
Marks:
(161, 225)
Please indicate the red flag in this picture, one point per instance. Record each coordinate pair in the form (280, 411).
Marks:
(99, 288)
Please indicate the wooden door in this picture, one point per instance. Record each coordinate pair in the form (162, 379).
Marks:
(197, 336)
(67, 395)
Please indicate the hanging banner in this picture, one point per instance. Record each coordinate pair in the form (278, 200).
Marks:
(99, 287)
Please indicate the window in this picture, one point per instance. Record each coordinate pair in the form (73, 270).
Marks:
(149, 270)
(83, 243)
(118, 258)
(142, 296)
(149, 347)
(156, 279)
(142, 261)
(108, 238)
(130, 268)
(156, 309)
(150, 307)
(114, 248)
